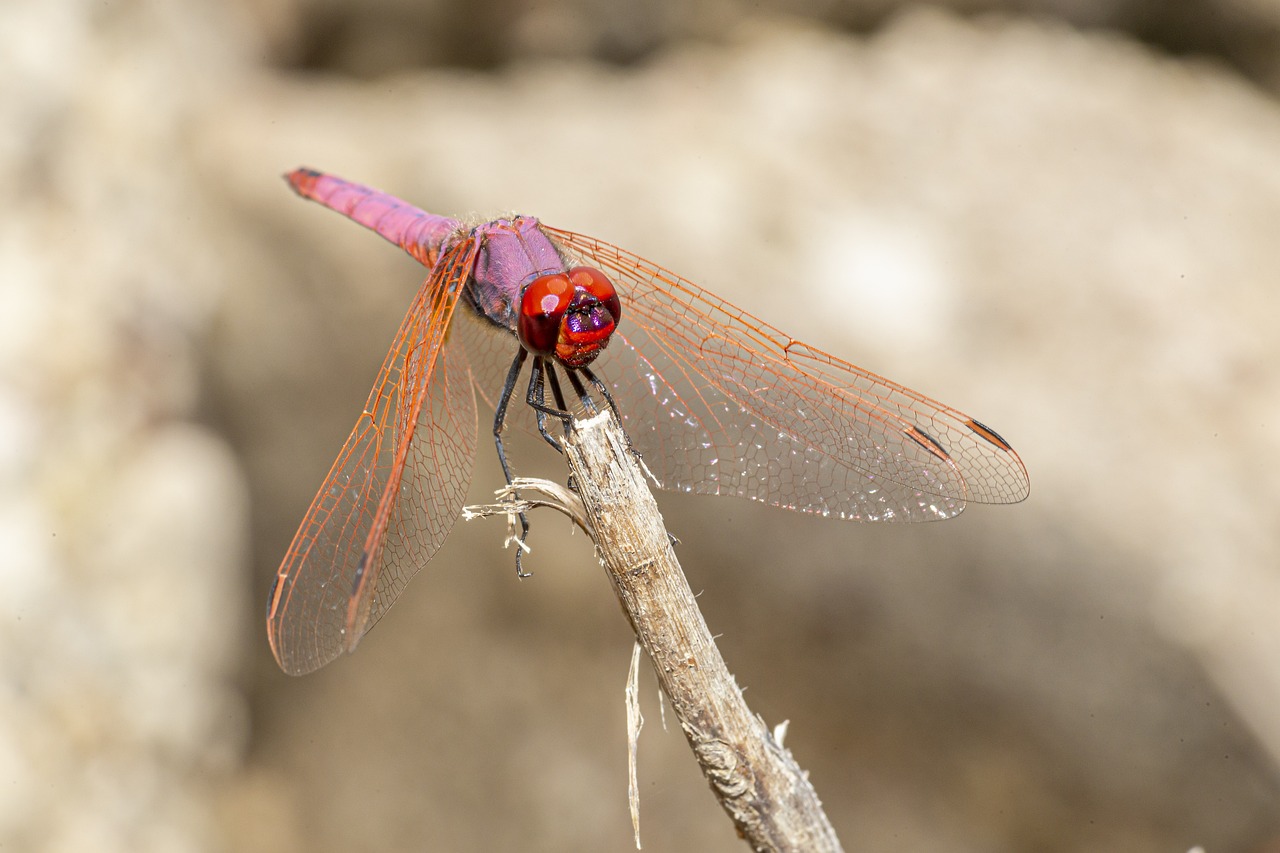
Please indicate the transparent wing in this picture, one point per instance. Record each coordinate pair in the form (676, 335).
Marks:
(394, 492)
(719, 402)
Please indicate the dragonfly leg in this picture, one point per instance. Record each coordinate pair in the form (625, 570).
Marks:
(536, 398)
(604, 392)
(554, 381)
(588, 402)
(500, 414)
(603, 389)
(499, 421)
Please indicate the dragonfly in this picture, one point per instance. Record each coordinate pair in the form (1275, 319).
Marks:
(714, 400)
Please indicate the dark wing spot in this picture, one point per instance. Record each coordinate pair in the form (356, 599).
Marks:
(273, 600)
(928, 442)
(359, 576)
(989, 434)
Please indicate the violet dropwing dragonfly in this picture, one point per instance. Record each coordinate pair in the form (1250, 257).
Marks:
(714, 400)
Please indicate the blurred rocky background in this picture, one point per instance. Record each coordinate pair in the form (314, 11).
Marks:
(1061, 216)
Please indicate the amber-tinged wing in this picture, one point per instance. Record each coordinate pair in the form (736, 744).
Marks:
(719, 402)
(394, 492)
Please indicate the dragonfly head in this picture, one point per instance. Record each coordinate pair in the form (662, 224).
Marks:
(569, 315)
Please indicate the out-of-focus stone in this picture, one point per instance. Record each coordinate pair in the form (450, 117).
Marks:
(122, 522)
(1064, 233)
(381, 37)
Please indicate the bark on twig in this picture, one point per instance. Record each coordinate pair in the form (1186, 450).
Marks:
(754, 777)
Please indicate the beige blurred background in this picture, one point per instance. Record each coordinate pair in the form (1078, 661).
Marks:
(1061, 216)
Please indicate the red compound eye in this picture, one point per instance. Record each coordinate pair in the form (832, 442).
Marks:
(542, 308)
(594, 282)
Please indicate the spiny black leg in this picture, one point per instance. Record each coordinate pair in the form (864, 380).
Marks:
(499, 421)
(554, 381)
(587, 403)
(500, 414)
(604, 391)
(590, 405)
(536, 398)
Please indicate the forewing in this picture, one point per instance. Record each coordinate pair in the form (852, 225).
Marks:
(394, 492)
(719, 402)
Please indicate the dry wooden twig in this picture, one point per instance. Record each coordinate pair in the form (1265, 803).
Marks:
(753, 776)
